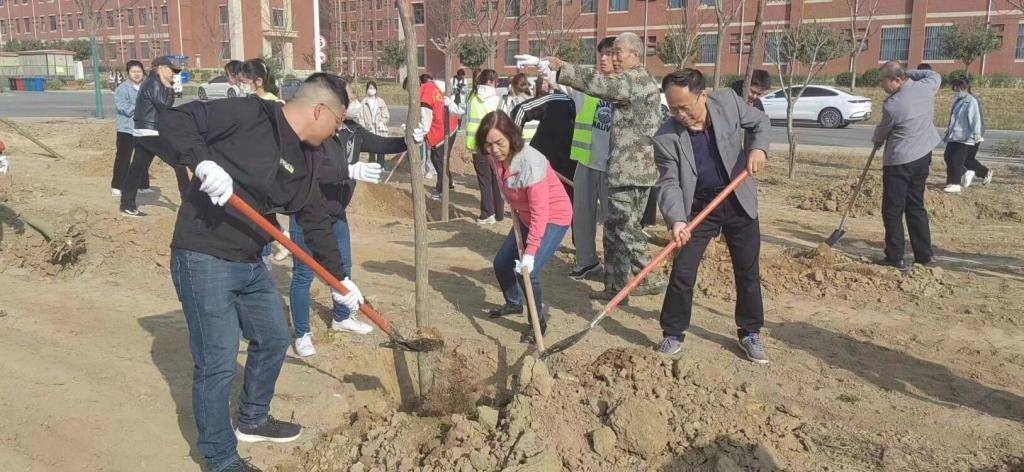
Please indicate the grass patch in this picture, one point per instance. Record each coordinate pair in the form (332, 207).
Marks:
(1001, 106)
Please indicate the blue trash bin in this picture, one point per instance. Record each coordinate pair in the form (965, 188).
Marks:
(40, 83)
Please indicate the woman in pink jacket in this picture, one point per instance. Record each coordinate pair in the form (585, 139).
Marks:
(540, 203)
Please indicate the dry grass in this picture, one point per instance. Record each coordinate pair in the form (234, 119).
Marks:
(1001, 106)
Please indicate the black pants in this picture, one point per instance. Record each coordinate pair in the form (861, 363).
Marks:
(651, 211)
(376, 158)
(123, 161)
(960, 158)
(145, 148)
(491, 203)
(436, 156)
(743, 237)
(903, 194)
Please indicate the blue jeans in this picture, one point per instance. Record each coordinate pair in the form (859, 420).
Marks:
(302, 275)
(222, 300)
(505, 263)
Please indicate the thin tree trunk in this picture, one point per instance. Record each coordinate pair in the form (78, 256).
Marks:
(419, 201)
(755, 43)
(718, 56)
(791, 134)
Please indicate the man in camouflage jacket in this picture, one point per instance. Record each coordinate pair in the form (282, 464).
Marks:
(631, 168)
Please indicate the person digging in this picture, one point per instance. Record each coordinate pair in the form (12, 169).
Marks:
(698, 151)
(267, 155)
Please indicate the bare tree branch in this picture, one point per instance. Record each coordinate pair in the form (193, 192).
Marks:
(725, 17)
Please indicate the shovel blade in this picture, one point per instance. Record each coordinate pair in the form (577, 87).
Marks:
(835, 237)
(415, 345)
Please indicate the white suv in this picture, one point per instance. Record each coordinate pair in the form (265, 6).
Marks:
(828, 106)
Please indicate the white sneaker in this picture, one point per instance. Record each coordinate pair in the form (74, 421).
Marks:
(953, 188)
(988, 178)
(352, 324)
(304, 345)
(490, 220)
(146, 191)
(967, 179)
(430, 175)
(115, 192)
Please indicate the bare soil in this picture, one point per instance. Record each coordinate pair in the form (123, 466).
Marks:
(872, 369)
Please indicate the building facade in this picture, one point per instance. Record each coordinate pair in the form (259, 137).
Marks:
(209, 32)
(906, 30)
(356, 32)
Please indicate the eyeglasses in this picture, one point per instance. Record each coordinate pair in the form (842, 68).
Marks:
(686, 111)
(337, 119)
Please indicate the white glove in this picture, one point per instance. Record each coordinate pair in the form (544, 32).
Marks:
(366, 172)
(526, 60)
(352, 300)
(544, 68)
(216, 182)
(418, 134)
(448, 101)
(5, 165)
(526, 263)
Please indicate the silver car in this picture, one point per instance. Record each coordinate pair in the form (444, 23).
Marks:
(218, 87)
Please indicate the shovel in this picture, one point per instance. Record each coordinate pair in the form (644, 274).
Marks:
(638, 278)
(397, 341)
(840, 231)
(531, 304)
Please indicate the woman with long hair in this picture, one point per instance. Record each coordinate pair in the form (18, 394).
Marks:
(374, 115)
(540, 204)
(256, 79)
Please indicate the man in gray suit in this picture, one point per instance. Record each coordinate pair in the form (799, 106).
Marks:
(699, 149)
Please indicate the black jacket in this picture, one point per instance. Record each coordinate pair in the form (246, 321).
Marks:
(556, 113)
(153, 98)
(344, 149)
(274, 172)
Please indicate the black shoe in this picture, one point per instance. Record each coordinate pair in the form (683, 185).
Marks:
(580, 272)
(900, 264)
(607, 295)
(528, 337)
(242, 465)
(132, 212)
(507, 309)
(272, 430)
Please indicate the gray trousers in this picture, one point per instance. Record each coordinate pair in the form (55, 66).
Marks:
(591, 189)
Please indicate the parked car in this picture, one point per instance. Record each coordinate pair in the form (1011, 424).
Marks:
(217, 87)
(828, 106)
(288, 87)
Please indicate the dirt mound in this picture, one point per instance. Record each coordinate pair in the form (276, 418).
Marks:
(835, 196)
(381, 201)
(825, 273)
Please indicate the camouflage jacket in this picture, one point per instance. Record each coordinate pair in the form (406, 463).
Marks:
(637, 100)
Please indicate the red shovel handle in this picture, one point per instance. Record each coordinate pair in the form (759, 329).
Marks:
(325, 276)
(672, 246)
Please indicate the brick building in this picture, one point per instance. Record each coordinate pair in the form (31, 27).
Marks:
(907, 30)
(356, 32)
(209, 32)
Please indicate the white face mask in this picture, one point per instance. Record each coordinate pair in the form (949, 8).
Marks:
(371, 92)
(960, 94)
(244, 88)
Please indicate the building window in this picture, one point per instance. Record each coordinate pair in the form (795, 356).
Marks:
(17, 26)
(537, 47)
(53, 22)
(895, 44)
(144, 49)
(772, 41)
(110, 18)
(935, 48)
(354, 26)
(167, 48)
(512, 9)
(417, 13)
(80, 21)
(1020, 41)
(129, 15)
(677, 3)
(421, 56)
(112, 51)
(224, 14)
(164, 19)
(511, 49)
(539, 7)
(380, 25)
(618, 5)
(28, 25)
(143, 16)
(3, 23)
(101, 50)
(278, 14)
(707, 48)
(589, 52)
(707, 3)
(132, 52)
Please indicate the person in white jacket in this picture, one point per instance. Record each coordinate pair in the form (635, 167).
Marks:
(482, 101)
(963, 138)
(374, 115)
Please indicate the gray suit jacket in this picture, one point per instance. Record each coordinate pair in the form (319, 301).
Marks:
(732, 122)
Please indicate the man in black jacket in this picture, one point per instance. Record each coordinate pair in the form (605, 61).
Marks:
(155, 95)
(268, 155)
(556, 113)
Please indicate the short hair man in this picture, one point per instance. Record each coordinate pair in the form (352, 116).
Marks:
(698, 154)
(760, 82)
(908, 131)
(266, 154)
(631, 171)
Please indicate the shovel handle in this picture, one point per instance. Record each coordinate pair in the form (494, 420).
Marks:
(856, 190)
(672, 245)
(254, 216)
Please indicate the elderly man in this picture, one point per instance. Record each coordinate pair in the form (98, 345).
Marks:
(631, 171)
(698, 151)
(908, 131)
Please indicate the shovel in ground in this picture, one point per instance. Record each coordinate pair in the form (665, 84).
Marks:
(397, 341)
(638, 278)
(840, 231)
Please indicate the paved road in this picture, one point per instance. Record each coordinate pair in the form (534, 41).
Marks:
(80, 105)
